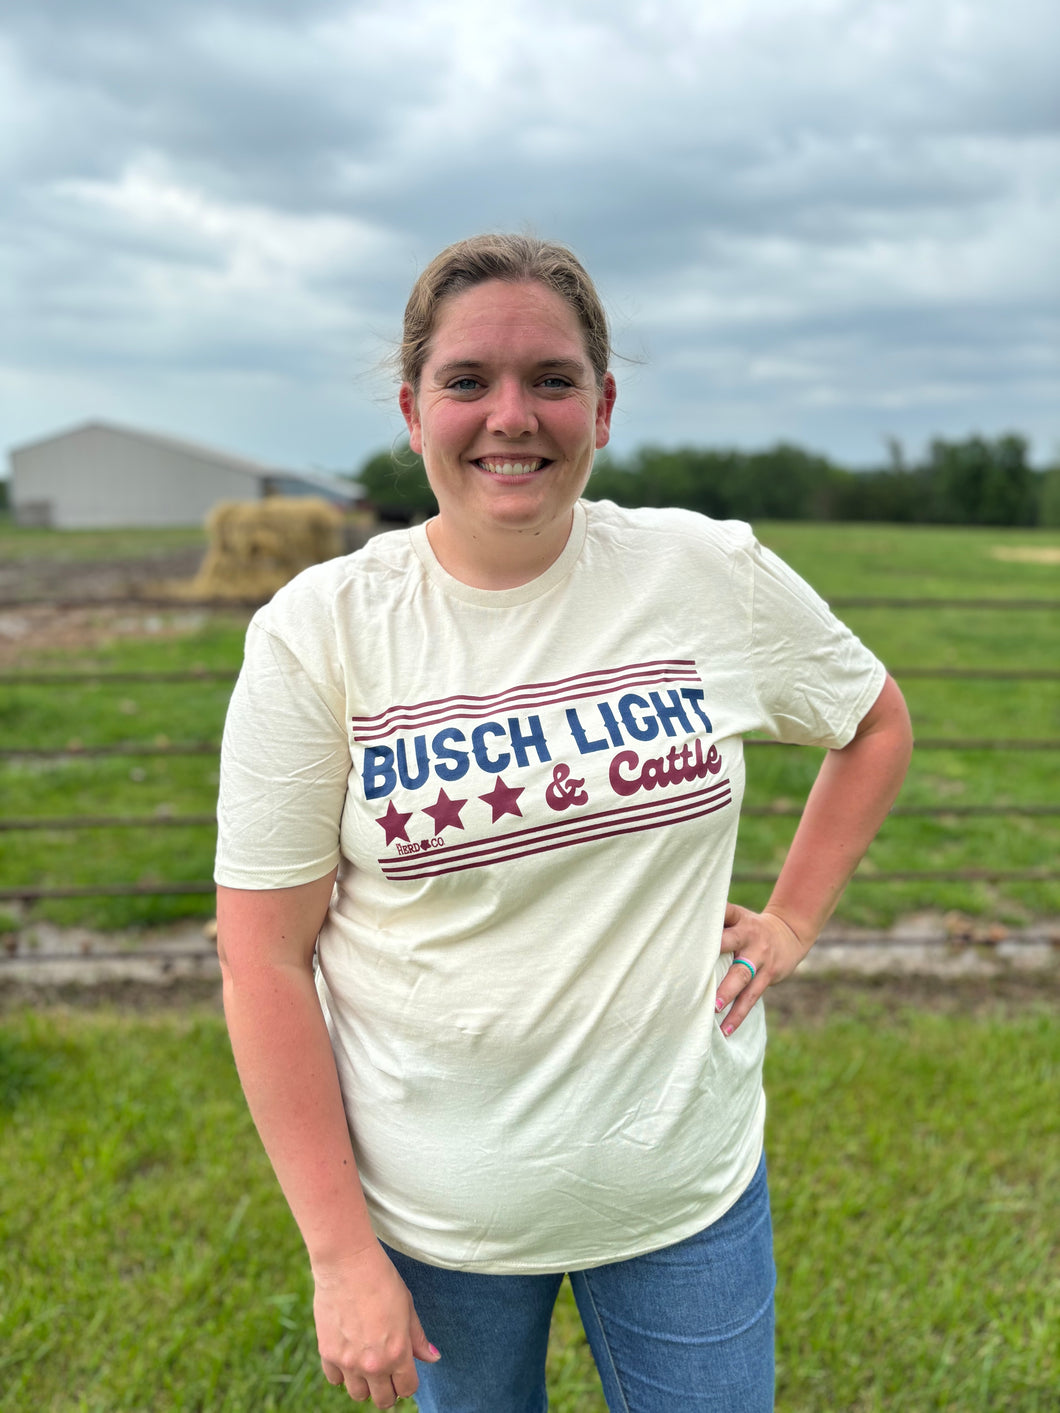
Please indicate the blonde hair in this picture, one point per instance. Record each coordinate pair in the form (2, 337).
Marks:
(511, 258)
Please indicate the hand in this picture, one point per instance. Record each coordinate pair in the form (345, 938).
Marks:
(769, 944)
(368, 1332)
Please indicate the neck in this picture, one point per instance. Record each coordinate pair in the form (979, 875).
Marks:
(503, 560)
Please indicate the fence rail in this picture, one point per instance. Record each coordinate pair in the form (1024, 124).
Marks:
(70, 823)
(84, 679)
(857, 601)
(205, 886)
(106, 890)
(120, 748)
(168, 956)
(205, 748)
(130, 602)
(162, 748)
(175, 605)
(74, 679)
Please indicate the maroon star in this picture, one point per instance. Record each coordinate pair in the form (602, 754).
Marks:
(394, 823)
(502, 799)
(445, 812)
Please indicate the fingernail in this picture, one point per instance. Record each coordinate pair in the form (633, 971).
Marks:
(727, 1029)
(436, 1352)
(720, 1003)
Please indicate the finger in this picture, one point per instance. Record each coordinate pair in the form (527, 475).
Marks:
(332, 1372)
(738, 1014)
(381, 1392)
(733, 914)
(743, 1004)
(739, 989)
(731, 932)
(422, 1348)
(741, 974)
(406, 1381)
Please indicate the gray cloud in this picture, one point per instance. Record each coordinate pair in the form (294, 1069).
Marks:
(827, 221)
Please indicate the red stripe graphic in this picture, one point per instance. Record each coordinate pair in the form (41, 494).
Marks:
(605, 824)
(535, 694)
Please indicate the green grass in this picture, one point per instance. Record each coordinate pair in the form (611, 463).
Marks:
(22, 544)
(841, 561)
(888, 561)
(914, 561)
(917, 1163)
(148, 1263)
(101, 713)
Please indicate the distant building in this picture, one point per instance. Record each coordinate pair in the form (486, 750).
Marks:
(101, 476)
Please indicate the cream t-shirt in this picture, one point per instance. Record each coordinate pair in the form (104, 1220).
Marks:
(532, 796)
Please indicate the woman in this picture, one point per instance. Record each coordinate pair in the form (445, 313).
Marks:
(487, 773)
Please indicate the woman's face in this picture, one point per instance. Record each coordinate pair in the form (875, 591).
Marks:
(507, 417)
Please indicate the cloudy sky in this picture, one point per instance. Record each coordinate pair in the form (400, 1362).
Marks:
(825, 221)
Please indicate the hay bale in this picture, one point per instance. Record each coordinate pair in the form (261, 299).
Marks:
(256, 546)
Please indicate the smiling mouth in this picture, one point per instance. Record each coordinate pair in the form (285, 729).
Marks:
(525, 467)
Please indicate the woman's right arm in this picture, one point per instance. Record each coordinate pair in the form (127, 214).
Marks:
(367, 1329)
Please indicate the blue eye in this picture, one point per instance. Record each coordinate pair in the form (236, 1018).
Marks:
(464, 385)
(555, 381)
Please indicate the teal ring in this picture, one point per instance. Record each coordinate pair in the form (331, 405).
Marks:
(743, 962)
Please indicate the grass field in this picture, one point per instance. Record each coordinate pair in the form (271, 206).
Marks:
(841, 561)
(147, 1261)
(18, 544)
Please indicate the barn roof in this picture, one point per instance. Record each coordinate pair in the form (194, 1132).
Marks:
(326, 483)
(189, 448)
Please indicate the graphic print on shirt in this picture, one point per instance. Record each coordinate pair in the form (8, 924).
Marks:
(464, 781)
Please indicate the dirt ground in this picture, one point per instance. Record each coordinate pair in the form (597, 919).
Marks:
(36, 633)
(49, 605)
(921, 964)
(800, 1001)
(64, 579)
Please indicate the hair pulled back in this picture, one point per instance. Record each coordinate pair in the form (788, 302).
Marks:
(512, 258)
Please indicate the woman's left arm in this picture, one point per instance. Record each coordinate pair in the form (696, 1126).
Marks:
(854, 789)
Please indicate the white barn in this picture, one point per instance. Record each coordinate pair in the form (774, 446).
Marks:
(102, 476)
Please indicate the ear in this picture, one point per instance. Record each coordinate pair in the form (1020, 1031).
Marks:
(605, 405)
(407, 403)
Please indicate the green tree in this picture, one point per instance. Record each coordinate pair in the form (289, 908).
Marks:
(980, 481)
(1009, 492)
(787, 483)
(1049, 497)
(396, 485)
(783, 483)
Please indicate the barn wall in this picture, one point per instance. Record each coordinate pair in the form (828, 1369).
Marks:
(101, 477)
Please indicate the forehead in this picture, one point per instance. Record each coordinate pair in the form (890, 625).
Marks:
(496, 317)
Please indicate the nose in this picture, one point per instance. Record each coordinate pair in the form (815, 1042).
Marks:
(511, 413)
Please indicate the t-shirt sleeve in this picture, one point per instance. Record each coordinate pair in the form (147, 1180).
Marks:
(285, 761)
(815, 680)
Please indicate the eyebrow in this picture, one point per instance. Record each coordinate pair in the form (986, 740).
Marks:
(563, 365)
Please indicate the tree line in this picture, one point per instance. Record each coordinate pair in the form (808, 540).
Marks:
(977, 481)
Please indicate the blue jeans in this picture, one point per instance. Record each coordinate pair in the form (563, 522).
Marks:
(689, 1327)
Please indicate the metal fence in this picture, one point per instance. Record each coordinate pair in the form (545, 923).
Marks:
(31, 893)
